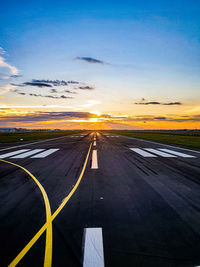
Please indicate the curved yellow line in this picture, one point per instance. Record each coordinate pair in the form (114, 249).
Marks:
(45, 226)
(48, 247)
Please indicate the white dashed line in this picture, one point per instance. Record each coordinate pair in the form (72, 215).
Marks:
(45, 153)
(160, 153)
(95, 143)
(143, 153)
(93, 248)
(13, 153)
(94, 160)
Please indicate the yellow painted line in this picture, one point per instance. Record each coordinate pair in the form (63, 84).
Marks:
(48, 247)
(45, 226)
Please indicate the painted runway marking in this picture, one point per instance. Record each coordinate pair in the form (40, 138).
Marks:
(95, 143)
(48, 247)
(177, 153)
(27, 154)
(44, 154)
(94, 160)
(53, 216)
(160, 153)
(93, 248)
(13, 153)
(143, 153)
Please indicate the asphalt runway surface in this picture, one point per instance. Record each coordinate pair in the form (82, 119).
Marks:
(98, 199)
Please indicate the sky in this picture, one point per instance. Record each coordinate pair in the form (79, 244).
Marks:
(100, 64)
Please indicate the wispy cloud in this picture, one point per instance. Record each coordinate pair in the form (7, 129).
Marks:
(50, 96)
(40, 95)
(6, 68)
(90, 60)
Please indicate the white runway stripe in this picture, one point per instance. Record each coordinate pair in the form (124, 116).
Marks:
(160, 153)
(95, 143)
(143, 153)
(94, 160)
(93, 248)
(13, 153)
(45, 153)
(177, 153)
(27, 154)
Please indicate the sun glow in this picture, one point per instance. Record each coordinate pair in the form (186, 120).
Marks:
(96, 112)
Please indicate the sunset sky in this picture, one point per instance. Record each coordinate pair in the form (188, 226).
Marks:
(100, 64)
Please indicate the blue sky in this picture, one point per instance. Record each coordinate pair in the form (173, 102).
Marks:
(150, 50)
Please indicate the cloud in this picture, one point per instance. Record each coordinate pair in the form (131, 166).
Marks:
(2, 51)
(15, 76)
(55, 82)
(43, 83)
(50, 96)
(85, 88)
(160, 118)
(69, 92)
(31, 84)
(90, 60)
(172, 103)
(40, 95)
(7, 68)
(158, 103)
(46, 116)
(38, 84)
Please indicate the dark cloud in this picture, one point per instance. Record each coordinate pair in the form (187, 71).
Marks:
(32, 84)
(158, 103)
(21, 93)
(85, 88)
(148, 103)
(69, 92)
(55, 82)
(90, 60)
(160, 118)
(15, 76)
(50, 96)
(172, 103)
(55, 91)
(40, 95)
(38, 84)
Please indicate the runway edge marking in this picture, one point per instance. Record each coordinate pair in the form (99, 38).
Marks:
(45, 226)
(48, 247)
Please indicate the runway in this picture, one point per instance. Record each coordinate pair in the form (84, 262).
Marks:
(99, 199)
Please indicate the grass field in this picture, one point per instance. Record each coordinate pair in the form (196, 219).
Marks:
(181, 138)
(28, 136)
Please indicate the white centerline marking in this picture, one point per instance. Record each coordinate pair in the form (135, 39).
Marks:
(27, 154)
(160, 153)
(94, 160)
(95, 143)
(93, 248)
(143, 153)
(177, 153)
(45, 153)
(13, 153)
